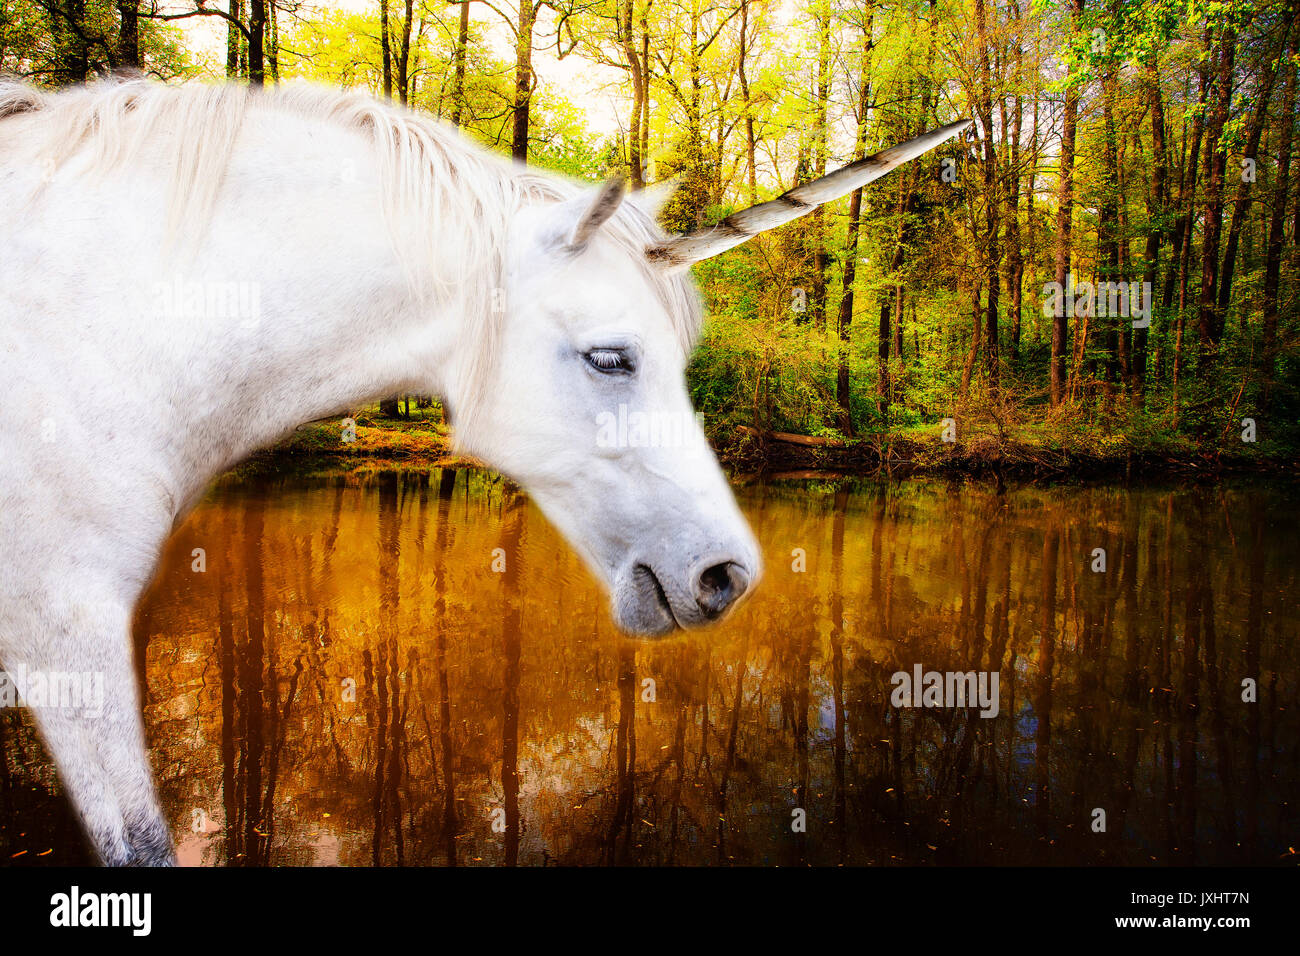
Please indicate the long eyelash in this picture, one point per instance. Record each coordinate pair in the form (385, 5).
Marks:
(604, 358)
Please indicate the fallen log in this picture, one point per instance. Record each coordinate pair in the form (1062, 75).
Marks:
(790, 438)
(806, 475)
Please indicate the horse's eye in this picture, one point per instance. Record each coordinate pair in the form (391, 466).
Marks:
(609, 360)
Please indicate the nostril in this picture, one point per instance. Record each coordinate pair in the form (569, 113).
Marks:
(719, 586)
(716, 579)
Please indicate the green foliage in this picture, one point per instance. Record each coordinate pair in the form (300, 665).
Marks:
(559, 141)
(771, 353)
(43, 42)
(774, 375)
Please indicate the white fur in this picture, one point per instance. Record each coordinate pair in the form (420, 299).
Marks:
(378, 244)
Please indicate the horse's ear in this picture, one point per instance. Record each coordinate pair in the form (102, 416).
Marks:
(606, 203)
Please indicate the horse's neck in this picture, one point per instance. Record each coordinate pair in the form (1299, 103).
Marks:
(323, 318)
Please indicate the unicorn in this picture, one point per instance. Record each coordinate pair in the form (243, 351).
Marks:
(188, 273)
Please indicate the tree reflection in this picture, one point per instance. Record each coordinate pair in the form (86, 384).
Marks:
(351, 682)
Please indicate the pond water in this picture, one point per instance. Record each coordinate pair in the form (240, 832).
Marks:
(352, 679)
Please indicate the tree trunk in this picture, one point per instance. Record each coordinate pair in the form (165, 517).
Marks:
(898, 326)
(1256, 128)
(1209, 320)
(820, 148)
(1186, 201)
(1035, 151)
(458, 83)
(748, 102)
(644, 122)
(992, 202)
(889, 297)
(1155, 214)
(1064, 218)
(1108, 227)
(234, 40)
(845, 318)
(1276, 237)
(256, 42)
(73, 50)
(882, 354)
(128, 42)
(273, 41)
(404, 54)
(1188, 180)
(523, 81)
(385, 49)
(1015, 258)
(974, 352)
(626, 29)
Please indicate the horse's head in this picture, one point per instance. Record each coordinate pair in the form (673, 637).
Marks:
(579, 393)
(588, 410)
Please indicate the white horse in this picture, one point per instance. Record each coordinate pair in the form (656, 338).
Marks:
(188, 273)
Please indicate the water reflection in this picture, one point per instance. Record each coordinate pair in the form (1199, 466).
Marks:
(413, 669)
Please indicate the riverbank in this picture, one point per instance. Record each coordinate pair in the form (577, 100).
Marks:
(957, 447)
(1019, 454)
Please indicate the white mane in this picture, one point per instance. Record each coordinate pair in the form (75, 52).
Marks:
(433, 180)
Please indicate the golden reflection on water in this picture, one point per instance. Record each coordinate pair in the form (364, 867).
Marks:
(349, 681)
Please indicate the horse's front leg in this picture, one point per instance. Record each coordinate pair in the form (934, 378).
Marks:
(93, 727)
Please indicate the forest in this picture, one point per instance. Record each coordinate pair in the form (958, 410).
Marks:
(1103, 270)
